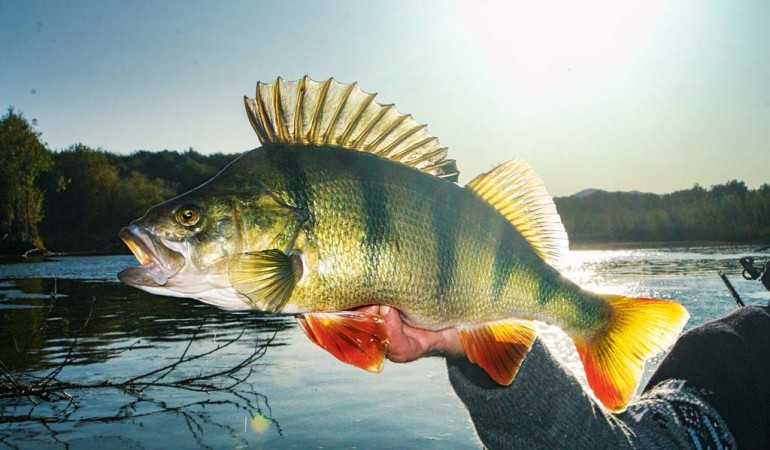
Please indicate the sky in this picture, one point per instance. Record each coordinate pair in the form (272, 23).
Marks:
(650, 95)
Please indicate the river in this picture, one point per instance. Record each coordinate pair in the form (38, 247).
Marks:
(68, 319)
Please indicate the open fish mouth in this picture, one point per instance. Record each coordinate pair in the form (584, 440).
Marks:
(157, 262)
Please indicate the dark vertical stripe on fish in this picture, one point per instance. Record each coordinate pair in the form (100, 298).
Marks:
(377, 220)
(546, 288)
(504, 259)
(293, 176)
(446, 230)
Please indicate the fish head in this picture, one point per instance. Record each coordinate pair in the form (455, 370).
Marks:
(185, 245)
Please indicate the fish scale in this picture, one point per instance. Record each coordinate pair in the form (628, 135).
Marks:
(350, 203)
(447, 251)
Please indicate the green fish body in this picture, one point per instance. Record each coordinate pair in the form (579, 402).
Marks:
(349, 203)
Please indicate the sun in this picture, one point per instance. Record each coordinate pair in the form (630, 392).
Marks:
(551, 44)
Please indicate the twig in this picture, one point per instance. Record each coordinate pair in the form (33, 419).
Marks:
(22, 395)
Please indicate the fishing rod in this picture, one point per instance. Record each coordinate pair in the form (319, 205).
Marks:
(750, 272)
(732, 290)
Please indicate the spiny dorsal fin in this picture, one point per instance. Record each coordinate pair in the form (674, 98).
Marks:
(342, 115)
(518, 194)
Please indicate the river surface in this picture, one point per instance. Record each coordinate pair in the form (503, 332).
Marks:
(69, 320)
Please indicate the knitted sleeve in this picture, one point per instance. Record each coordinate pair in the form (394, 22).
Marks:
(547, 408)
(727, 362)
(674, 415)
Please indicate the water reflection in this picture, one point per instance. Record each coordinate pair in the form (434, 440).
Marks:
(101, 268)
(119, 331)
(583, 265)
(42, 316)
(93, 336)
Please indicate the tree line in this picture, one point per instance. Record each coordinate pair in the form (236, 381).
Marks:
(76, 199)
(729, 212)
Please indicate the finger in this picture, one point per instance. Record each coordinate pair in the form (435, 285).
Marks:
(370, 309)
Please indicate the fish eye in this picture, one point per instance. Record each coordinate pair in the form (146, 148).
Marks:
(188, 215)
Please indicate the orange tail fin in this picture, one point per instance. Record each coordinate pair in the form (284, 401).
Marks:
(614, 359)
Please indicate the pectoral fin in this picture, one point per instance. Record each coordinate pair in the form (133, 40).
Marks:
(499, 347)
(355, 338)
(267, 278)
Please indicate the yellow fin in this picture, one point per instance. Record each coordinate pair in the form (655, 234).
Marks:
(267, 278)
(637, 329)
(342, 115)
(499, 347)
(353, 337)
(520, 196)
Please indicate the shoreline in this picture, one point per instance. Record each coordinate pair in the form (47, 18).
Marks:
(637, 245)
(38, 255)
(34, 254)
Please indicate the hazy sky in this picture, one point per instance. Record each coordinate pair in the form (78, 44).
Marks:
(634, 95)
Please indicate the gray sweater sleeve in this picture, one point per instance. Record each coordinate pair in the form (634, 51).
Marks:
(546, 407)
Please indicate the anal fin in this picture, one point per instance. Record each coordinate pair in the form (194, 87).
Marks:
(355, 338)
(499, 347)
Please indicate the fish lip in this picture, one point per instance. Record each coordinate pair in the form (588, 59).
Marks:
(137, 245)
(157, 262)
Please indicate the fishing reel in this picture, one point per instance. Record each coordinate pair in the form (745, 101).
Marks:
(752, 272)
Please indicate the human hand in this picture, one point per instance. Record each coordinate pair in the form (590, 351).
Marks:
(407, 343)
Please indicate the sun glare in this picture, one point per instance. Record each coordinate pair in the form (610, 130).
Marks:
(551, 44)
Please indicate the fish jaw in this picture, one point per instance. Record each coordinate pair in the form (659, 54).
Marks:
(158, 261)
(214, 291)
(163, 271)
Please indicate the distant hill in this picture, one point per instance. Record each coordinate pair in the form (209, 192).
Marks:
(590, 191)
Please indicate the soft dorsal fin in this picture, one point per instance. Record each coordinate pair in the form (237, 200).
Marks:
(342, 115)
(518, 194)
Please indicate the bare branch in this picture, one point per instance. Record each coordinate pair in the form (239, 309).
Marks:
(50, 398)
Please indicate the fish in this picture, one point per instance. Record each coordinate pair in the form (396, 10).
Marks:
(349, 203)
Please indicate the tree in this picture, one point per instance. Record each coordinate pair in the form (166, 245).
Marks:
(22, 159)
(96, 200)
(729, 212)
(182, 171)
(89, 178)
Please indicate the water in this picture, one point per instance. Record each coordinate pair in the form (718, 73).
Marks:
(69, 317)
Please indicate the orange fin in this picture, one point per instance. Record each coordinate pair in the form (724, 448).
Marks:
(355, 338)
(638, 328)
(499, 347)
